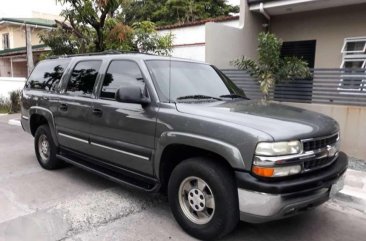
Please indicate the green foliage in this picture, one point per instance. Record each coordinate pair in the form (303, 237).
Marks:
(147, 40)
(14, 101)
(96, 25)
(270, 68)
(163, 12)
(5, 106)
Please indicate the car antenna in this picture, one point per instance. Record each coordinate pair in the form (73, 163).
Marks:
(170, 75)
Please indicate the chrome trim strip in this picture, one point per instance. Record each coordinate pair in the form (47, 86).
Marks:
(25, 117)
(120, 151)
(73, 138)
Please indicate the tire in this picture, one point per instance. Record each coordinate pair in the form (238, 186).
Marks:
(217, 218)
(46, 156)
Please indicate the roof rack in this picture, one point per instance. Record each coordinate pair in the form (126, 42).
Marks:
(96, 54)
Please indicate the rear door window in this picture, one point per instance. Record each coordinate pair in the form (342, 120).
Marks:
(83, 78)
(47, 74)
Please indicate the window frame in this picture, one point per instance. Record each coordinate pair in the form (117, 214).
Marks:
(99, 90)
(7, 41)
(66, 92)
(353, 40)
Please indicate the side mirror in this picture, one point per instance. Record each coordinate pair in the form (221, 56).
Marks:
(131, 94)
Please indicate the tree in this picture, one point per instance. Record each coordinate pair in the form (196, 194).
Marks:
(270, 68)
(163, 12)
(96, 25)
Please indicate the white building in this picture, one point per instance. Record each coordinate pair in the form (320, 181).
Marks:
(190, 38)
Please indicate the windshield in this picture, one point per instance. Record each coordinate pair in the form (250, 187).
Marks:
(190, 81)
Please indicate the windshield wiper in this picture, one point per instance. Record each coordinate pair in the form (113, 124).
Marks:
(198, 97)
(234, 96)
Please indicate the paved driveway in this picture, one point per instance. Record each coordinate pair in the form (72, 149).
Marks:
(71, 204)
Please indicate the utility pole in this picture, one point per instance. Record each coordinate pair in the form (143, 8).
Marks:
(28, 37)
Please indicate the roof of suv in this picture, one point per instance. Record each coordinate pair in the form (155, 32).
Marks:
(112, 55)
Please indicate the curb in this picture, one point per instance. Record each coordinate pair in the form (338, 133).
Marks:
(14, 122)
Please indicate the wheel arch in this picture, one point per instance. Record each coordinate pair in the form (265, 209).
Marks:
(174, 147)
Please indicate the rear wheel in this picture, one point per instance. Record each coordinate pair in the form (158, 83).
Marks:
(203, 198)
(46, 149)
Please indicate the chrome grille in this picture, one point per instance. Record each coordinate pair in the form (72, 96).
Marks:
(319, 143)
(317, 163)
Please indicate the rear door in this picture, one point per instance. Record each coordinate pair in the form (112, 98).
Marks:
(74, 106)
(123, 133)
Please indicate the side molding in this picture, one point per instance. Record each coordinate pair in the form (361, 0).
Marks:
(227, 151)
(46, 113)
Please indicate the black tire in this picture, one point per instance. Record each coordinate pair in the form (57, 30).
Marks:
(221, 181)
(51, 162)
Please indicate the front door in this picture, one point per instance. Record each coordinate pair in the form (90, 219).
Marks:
(74, 107)
(123, 133)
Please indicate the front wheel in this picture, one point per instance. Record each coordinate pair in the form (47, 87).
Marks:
(203, 198)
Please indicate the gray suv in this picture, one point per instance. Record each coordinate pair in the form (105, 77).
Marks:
(182, 127)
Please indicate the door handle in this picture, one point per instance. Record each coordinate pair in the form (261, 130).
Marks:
(97, 112)
(63, 107)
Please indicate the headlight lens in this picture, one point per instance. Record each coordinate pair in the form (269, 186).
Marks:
(278, 148)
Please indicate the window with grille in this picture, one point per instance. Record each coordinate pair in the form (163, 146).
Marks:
(5, 39)
(353, 65)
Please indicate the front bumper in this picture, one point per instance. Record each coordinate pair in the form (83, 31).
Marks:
(263, 201)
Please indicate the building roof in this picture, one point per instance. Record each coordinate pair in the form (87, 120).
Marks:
(32, 21)
(21, 50)
(199, 22)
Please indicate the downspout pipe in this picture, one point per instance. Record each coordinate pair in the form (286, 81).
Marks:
(263, 12)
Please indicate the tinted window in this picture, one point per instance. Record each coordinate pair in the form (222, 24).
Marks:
(177, 79)
(47, 74)
(121, 73)
(83, 78)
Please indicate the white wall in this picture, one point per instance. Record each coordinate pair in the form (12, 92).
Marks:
(8, 84)
(190, 42)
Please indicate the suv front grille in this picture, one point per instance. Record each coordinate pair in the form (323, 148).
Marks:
(317, 163)
(319, 143)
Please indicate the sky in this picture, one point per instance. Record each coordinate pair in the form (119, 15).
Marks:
(24, 8)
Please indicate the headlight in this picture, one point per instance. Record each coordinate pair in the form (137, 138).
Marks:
(276, 171)
(278, 148)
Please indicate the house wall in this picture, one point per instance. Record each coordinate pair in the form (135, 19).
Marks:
(5, 68)
(328, 27)
(227, 43)
(190, 42)
(17, 36)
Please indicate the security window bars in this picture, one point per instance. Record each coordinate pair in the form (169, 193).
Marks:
(5, 39)
(353, 65)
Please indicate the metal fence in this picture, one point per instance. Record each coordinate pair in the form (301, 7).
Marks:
(328, 86)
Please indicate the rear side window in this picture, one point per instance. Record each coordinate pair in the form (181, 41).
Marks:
(47, 74)
(121, 73)
(83, 78)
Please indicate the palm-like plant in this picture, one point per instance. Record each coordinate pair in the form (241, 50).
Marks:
(270, 68)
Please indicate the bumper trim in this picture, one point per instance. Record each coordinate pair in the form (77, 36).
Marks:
(262, 207)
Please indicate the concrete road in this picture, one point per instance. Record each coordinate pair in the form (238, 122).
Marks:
(71, 204)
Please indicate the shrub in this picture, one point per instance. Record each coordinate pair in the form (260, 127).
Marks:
(4, 105)
(14, 101)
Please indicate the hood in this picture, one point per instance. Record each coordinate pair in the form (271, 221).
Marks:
(279, 121)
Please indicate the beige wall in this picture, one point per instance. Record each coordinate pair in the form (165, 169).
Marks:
(328, 27)
(17, 36)
(225, 43)
(352, 121)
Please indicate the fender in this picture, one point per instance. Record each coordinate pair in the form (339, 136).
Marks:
(46, 113)
(226, 150)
